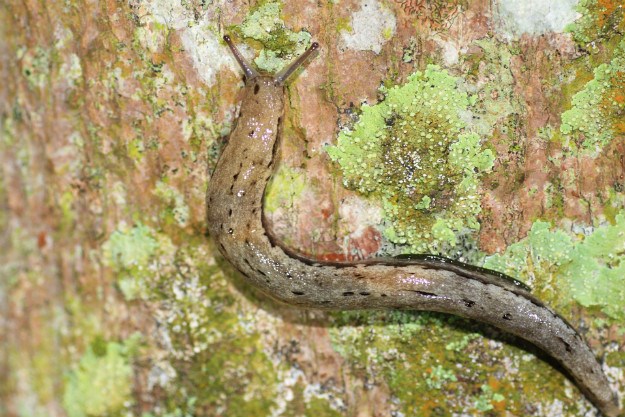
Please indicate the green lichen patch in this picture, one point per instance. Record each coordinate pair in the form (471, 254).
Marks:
(265, 25)
(177, 211)
(411, 152)
(36, 64)
(286, 185)
(206, 335)
(597, 112)
(590, 268)
(136, 254)
(490, 70)
(428, 362)
(213, 343)
(100, 384)
(484, 402)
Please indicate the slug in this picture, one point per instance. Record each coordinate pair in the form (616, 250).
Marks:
(420, 282)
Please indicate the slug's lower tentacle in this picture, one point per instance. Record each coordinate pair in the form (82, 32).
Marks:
(235, 218)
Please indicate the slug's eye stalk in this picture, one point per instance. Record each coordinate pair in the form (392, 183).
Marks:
(282, 76)
(250, 73)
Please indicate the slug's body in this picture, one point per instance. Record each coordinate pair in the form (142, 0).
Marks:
(235, 219)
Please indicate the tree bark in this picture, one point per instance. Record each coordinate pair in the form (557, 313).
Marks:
(115, 302)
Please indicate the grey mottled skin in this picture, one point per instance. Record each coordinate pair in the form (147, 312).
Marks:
(235, 219)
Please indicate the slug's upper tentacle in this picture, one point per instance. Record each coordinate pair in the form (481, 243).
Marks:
(283, 75)
(424, 282)
(250, 73)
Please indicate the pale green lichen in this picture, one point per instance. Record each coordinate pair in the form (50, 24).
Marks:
(438, 377)
(100, 384)
(411, 151)
(72, 70)
(597, 111)
(35, 64)
(484, 401)
(590, 269)
(265, 25)
(498, 103)
(135, 253)
(178, 210)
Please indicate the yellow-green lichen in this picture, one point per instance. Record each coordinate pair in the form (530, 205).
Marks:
(212, 343)
(428, 362)
(286, 186)
(100, 384)
(412, 152)
(597, 112)
(265, 25)
(591, 269)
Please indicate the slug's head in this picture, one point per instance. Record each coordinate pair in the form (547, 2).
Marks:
(253, 78)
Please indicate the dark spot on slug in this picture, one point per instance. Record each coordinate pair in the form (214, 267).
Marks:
(251, 134)
(567, 347)
(364, 293)
(297, 292)
(348, 293)
(288, 275)
(468, 303)
(256, 89)
(235, 176)
(230, 231)
(230, 213)
(383, 295)
(260, 271)
(507, 316)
